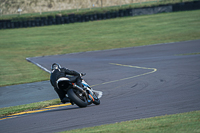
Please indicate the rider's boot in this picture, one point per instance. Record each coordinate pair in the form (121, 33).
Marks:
(65, 99)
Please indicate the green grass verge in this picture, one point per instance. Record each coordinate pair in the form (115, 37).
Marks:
(177, 123)
(18, 44)
(32, 106)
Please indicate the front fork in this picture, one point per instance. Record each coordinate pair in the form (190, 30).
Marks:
(87, 92)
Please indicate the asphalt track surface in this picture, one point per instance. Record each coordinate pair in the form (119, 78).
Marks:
(137, 82)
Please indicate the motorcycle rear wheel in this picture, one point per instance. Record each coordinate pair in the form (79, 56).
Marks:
(79, 102)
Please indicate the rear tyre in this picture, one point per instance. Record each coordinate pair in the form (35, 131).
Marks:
(77, 99)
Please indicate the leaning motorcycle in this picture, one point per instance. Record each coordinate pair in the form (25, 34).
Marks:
(81, 96)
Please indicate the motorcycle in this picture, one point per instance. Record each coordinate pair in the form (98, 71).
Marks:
(81, 96)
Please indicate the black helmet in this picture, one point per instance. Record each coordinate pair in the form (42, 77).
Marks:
(55, 66)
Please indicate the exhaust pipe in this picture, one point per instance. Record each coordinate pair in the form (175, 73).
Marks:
(78, 87)
(81, 89)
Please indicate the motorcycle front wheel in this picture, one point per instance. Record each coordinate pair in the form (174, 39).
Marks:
(77, 98)
(96, 99)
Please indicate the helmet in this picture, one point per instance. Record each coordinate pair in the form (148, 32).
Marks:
(55, 66)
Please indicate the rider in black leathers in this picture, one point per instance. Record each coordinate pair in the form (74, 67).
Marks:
(59, 72)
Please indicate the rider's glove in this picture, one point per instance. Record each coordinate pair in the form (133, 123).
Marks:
(82, 74)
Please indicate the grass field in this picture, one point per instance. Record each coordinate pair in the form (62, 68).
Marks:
(177, 123)
(18, 44)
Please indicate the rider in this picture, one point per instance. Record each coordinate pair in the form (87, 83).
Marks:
(59, 72)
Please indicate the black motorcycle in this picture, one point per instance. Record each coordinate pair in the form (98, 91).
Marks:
(81, 96)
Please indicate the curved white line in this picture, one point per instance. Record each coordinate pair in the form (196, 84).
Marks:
(154, 70)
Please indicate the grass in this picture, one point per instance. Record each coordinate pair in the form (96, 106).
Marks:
(33, 106)
(18, 44)
(178, 123)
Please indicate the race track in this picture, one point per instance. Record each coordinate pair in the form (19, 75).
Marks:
(137, 82)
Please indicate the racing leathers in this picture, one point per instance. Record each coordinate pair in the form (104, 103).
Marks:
(63, 72)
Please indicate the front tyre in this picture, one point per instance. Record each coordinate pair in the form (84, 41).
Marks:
(77, 98)
(96, 100)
